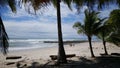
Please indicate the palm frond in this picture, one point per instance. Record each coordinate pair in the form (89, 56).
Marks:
(114, 38)
(3, 34)
(12, 5)
(79, 27)
(36, 4)
(54, 2)
(91, 23)
(79, 4)
(80, 31)
(39, 4)
(114, 18)
(68, 3)
(3, 38)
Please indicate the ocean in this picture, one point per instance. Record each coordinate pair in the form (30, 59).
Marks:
(23, 44)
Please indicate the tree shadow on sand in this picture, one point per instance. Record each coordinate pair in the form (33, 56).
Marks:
(108, 61)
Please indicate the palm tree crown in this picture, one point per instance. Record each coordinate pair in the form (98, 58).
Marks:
(91, 23)
(38, 4)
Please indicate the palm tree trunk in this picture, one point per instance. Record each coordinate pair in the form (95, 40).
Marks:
(61, 51)
(91, 50)
(104, 44)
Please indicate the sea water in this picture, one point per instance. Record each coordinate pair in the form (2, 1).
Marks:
(23, 44)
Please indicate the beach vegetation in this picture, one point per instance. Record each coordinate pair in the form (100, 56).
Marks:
(89, 27)
(114, 21)
(103, 33)
(3, 34)
(109, 31)
(38, 4)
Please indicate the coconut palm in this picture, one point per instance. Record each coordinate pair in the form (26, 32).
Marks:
(90, 26)
(110, 30)
(38, 4)
(114, 20)
(3, 35)
(103, 33)
(107, 34)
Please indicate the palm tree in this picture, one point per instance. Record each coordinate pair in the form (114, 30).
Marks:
(103, 33)
(38, 4)
(110, 30)
(114, 19)
(61, 52)
(90, 26)
(3, 35)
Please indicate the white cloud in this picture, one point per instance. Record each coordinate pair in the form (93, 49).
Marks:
(44, 24)
(37, 30)
(44, 12)
(106, 12)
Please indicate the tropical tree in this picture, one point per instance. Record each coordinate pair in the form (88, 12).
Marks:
(3, 35)
(114, 21)
(38, 4)
(104, 32)
(91, 24)
(110, 30)
(107, 34)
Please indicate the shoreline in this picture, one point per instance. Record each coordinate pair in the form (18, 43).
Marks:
(45, 44)
(76, 41)
(41, 55)
(80, 49)
(70, 43)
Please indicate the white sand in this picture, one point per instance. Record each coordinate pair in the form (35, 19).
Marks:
(80, 49)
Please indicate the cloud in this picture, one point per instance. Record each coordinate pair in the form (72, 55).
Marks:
(49, 12)
(106, 11)
(34, 29)
(24, 25)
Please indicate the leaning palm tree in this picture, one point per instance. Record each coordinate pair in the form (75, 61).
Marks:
(90, 26)
(104, 33)
(110, 30)
(3, 35)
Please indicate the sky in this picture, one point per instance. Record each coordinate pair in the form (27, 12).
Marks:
(44, 23)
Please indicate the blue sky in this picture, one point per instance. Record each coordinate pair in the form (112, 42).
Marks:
(25, 25)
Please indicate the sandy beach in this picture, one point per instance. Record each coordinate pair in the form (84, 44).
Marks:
(41, 55)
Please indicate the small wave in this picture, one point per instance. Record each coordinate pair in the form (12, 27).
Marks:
(30, 46)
